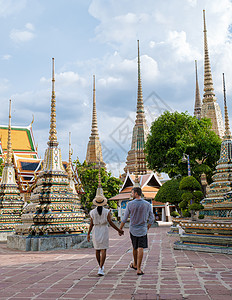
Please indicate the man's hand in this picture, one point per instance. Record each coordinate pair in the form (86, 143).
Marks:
(148, 226)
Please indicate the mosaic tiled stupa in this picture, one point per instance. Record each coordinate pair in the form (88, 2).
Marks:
(11, 202)
(136, 156)
(210, 108)
(94, 149)
(218, 203)
(58, 208)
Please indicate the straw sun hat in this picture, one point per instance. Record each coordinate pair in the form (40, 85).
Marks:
(100, 199)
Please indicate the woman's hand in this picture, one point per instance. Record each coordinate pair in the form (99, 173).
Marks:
(88, 237)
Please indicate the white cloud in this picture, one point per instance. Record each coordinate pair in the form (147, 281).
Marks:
(11, 7)
(6, 57)
(19, 36)
(183, 50)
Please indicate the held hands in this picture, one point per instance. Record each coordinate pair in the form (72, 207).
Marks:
(121, 232)
(88, 237)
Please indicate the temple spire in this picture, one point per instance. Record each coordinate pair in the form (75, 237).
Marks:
(94, 149)
(210, 108)
(208, 81)
(94, 130)
(9, 146)
(197, 108)
(69, 167)
(53, 132)
(136, 156)
(140, 106)
(227, 134)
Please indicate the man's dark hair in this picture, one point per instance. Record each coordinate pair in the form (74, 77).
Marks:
(137, 190)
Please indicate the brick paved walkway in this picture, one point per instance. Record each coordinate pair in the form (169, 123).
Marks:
(71, 274)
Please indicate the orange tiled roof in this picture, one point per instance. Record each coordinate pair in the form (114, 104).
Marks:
(20, 137)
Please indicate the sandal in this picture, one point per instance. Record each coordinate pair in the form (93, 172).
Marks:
(140, 273)
(132, 266)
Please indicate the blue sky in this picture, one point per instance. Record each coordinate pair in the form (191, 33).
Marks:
(99, 37)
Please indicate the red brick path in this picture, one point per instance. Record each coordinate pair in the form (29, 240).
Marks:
(72, 274)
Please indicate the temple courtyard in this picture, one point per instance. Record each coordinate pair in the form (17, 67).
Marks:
(72, 274)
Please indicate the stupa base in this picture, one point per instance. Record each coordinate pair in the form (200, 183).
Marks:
(46, 242)
(4, 235)
(204, 243)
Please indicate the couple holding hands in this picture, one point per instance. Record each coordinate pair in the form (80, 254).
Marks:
(141, 219)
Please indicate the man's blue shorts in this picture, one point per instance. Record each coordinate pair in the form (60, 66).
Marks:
(138, 241)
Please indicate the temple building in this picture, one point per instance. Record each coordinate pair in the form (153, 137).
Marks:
(218, 204)
(94, 149)
(136, 156)
(55, 207)
(197, 107)
(150, 185)
(25, 156)
(210, 108)
(11, 202)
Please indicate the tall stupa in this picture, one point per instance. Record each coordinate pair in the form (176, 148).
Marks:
(58, 208)
(197, 107)
(217, 203)
(136, 157)
(94, 149)
(210, 108)
(11, 202)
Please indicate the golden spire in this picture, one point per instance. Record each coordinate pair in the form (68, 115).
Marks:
(53, 137)
(69, 167)
(94, 130)
(9, 147)
(227, 134)
(140, 107)
(197, 108)
(208, 81)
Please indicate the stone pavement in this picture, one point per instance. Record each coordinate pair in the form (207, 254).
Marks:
(72, 274)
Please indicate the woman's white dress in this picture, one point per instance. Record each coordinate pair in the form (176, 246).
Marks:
(100, 234)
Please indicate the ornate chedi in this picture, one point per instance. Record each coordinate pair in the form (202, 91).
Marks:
(210, 108)
(136, 156)
(197, 107)
(214, 233)
(218, 203)
(58, 209)
(10, 201)
(94, 149)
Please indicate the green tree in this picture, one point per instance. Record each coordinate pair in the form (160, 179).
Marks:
(89, 180)
(173, 134)
(191, 197)
(170, 192)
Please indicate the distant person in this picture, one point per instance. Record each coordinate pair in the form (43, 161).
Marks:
(100, 218)
(141, 219)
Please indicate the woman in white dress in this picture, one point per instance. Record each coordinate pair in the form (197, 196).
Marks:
(100, 218)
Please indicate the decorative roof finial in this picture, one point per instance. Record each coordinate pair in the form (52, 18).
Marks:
(197, 108)
(227, 134)
(208, 81)
(94, 130)
(9, 146)
(69, 168)
(53, 132)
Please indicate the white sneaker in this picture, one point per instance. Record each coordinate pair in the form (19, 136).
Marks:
(100, 272)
